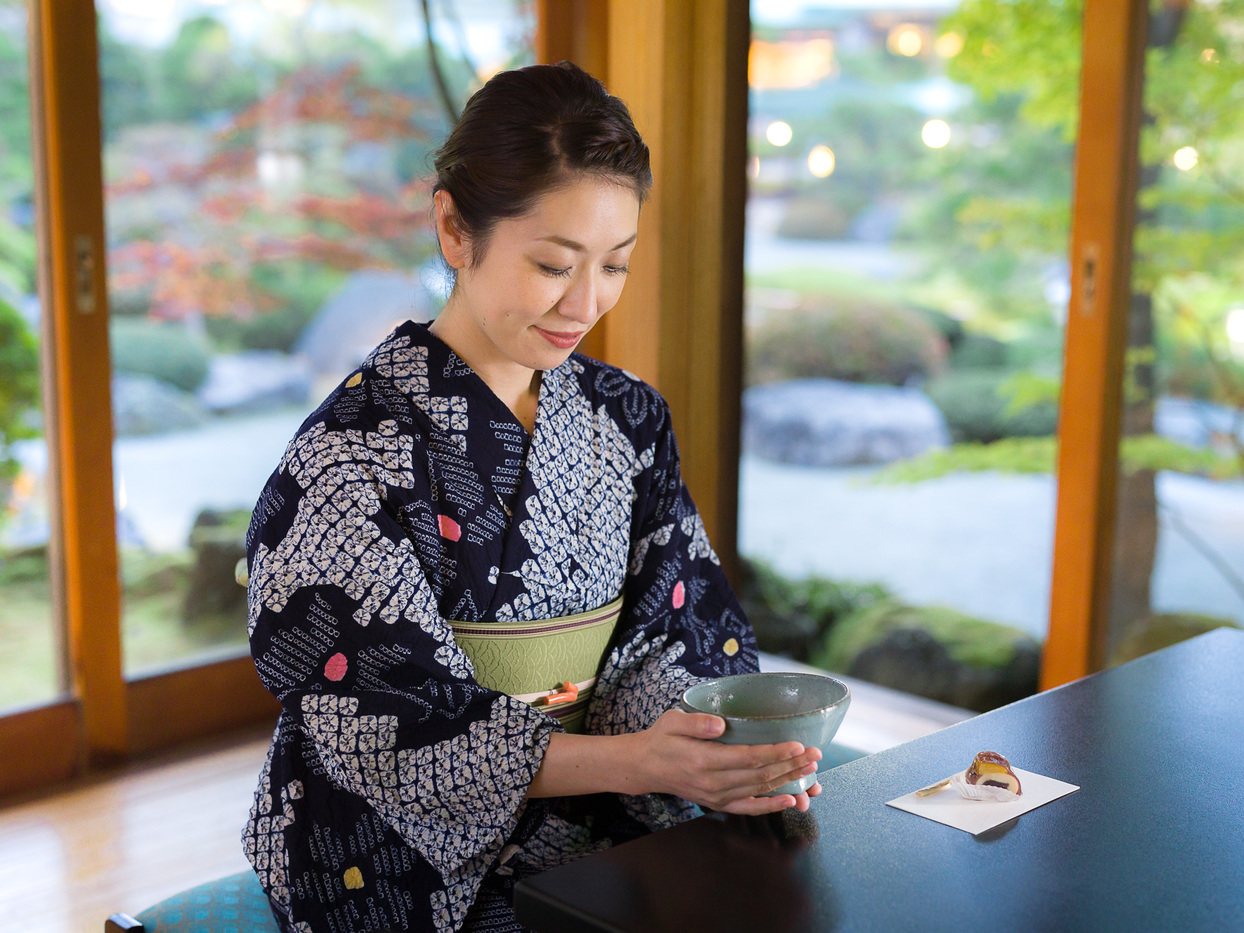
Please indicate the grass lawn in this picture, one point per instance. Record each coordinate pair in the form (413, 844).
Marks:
(154, 634)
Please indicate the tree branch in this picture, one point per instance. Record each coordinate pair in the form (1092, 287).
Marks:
(434, 62)
(1206, 550)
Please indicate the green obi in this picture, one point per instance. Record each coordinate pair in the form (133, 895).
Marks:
(531, 660)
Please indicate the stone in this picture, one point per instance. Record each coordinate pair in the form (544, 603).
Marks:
(254, 380)
(825, 422)
(1161, 630)
(145, 405)
(935, 652)
(219, 542)
(358, 316)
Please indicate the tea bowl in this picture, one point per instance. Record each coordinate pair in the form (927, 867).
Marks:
(769, 707)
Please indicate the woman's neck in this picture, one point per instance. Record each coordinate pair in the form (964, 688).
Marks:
(515, 385)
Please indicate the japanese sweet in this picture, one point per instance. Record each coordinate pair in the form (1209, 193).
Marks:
(770, 707)
(992, 770)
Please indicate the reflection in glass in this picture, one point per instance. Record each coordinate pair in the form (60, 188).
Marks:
(906, 292)
(27, 623)
(1179, 553)
(268, 223)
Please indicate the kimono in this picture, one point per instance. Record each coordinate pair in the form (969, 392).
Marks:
(394, 793)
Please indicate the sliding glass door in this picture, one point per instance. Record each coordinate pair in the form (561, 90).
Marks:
(28, 627)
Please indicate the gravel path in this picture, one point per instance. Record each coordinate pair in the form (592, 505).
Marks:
(981, 542)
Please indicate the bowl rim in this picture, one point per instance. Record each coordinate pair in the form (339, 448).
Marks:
(689, 707)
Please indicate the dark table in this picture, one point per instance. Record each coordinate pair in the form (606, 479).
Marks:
(1153, 840)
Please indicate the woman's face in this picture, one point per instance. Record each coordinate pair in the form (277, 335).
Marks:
(545, 278)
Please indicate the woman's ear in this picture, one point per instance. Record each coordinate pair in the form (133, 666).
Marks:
(454, 245)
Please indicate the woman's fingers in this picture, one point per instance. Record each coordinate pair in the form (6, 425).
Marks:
(692, 725)
(732, 778)
(758, 806)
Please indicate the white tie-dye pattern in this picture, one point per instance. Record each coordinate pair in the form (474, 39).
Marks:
(458, 800)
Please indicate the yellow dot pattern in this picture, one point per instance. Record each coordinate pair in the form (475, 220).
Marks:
(353, 878)
(354, 380)
(731, 647)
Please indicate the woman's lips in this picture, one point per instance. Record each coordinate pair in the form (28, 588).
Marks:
(563, 341)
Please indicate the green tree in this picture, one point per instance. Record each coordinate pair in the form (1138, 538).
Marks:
(19, 392)
(1190, 226)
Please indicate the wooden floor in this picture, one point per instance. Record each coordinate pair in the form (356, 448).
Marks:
(124, 842)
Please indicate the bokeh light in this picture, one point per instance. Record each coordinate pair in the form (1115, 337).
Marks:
(821, 161)
(905, 40)
(1235, 330)
(948, 45)
(779, 133)
(935, 134)
(1185, 158)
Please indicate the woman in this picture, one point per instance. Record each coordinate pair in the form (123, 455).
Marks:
(474, 482)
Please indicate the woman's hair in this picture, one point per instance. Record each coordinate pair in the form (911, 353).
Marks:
(528, 131)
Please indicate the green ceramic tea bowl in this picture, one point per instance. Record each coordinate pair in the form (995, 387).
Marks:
(771, 707)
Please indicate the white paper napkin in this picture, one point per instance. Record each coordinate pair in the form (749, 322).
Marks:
(976, 816)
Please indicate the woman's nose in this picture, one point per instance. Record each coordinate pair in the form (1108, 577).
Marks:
(580, 302)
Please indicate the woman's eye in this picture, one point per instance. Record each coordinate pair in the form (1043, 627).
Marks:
(555, 272)
(617, 270)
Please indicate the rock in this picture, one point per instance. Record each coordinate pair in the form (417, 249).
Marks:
(219, 541)
(824, 422)
(1194, 422)
(256, 380)
(358, 316)
(935, 652)
(1161, 630)
(145, 405)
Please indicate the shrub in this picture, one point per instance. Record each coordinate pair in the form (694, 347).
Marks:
(163, 351)
(852, 339)
(976, 407)
(297, 291)
(935, 652)
(790, 615)
(814, 218)
(19, 379)
(978, 351)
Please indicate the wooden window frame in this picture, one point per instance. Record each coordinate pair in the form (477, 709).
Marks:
(681, 65)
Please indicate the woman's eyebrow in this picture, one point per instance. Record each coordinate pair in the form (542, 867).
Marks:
(579, 247)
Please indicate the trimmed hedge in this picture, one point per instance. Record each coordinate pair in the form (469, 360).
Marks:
(846, 338)
(167, 352)
(976, 409)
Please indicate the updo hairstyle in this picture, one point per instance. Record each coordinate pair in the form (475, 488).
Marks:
(528, 131)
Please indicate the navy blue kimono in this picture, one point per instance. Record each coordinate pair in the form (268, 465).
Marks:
(394, 795)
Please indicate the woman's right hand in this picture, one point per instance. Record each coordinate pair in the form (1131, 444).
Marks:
(678, 755)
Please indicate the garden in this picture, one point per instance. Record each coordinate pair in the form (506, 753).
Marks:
(906, 290)
(904, 338)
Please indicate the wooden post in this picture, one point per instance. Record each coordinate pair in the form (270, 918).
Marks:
(681, 67)
(1103, 217)
(577, 31)
(73, 286)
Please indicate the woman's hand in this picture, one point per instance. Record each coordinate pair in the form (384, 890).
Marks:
(676, 755)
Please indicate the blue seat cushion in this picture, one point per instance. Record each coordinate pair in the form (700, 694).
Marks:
(236, 904)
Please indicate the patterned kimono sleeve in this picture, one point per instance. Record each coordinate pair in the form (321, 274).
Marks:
(681, 620)
(345, 631)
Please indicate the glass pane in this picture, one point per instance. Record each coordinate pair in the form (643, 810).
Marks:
(27, 626)
(1179, 558)
(907, 230)
(268, 223)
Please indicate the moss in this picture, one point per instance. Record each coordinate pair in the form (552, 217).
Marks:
(1163, 630)
(969, 641)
